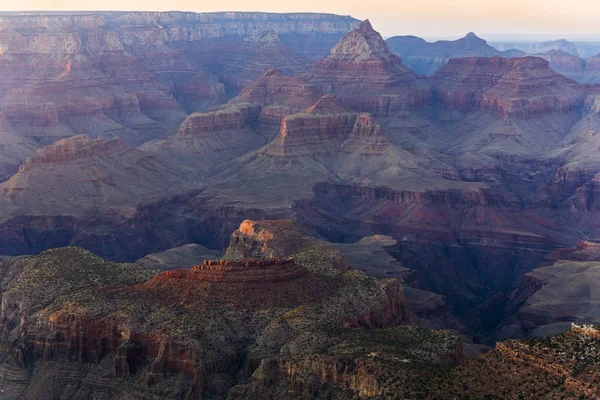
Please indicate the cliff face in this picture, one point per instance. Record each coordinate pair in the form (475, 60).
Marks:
(364, 75)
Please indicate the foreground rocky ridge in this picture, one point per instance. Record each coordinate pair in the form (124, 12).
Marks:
(158, 336)
(255, 328)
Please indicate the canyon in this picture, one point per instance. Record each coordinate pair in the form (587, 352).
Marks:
(253, 205)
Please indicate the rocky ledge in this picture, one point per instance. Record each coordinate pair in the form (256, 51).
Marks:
(247, 272)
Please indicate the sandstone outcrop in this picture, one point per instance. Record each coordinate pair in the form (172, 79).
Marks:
(268, 239)
(365, 76)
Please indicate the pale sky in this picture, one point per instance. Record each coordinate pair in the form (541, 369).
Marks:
(390, 17)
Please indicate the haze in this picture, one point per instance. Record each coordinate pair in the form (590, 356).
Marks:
(429, 18)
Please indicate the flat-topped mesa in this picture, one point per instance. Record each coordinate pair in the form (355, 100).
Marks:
(277, 88)
(309, 134)
(516, 87)
(362, 73)
(226, 118)
(77, 148)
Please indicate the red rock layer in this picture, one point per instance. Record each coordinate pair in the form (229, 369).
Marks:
(521, 87)
(247, 272)
(233, 118)
(364, 75)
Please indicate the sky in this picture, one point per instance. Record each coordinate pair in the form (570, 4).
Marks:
(427, 18)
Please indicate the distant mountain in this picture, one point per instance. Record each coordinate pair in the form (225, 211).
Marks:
(539, 47)
(579, 69)
(425, 58)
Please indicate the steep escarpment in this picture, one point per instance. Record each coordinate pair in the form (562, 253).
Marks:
(280, 95)
(268, 239)
(365, 76)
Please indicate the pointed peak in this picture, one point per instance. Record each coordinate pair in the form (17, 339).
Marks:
(472, 37)
(363, 40)
(365, 26)
(328, 104)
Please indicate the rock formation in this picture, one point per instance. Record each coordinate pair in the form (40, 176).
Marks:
(500, 106)
(365, 76)
(525, 87)
(212, 138)
(99, 173)
(268, 239)
(204, 329)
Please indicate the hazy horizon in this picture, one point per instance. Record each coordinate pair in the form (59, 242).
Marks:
(432, 19)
